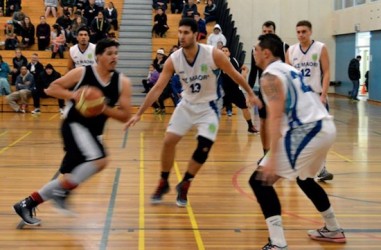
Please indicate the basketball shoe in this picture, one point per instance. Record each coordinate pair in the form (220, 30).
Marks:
(323, 234)
(161, 190)
(271, 246)
(26, 210)
(182, 192)
(324, 175)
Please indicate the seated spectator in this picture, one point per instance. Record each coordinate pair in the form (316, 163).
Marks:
(99, 28)
(35, 67)
(100, 4)
(189, 9)
(11, 42)
(12, 6)
(18, 61)
(51, 8)
(160, 25)
(68, 6)
(216, 36)
(43, 34)
(153, 76)
(45, 78)
(18, 100)
(81, 5)
(65, 22)
(160, 59)
(78, 13)
(2, 12)
(5, 89)
(162, 4)
(27, 33)
(201, 27)
(77, 24)
(177, 6)
(91, 11)
(173, 49)
(18, 19)
(210, 12)
(111, 15)
(58, 41)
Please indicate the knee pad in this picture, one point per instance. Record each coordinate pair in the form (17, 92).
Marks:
(202, 151)
(315, 193)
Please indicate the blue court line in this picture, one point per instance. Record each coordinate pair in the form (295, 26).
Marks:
(110, 211)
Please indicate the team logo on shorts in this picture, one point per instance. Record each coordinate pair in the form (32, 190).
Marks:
(204, 68)
(212, 128)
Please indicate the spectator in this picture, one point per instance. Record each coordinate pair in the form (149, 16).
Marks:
(216, 36)
(177, 6)
(58, 41)
(78, 13)
(201, 27)
(210, 12)
(65, 22)
(45, 78)
(100, 4)
(12, 6)
(111, 15)
(27, 33)
(173, 49)
(43, 34)
(11, 41)
(354, 75)
(367, 80)
(160, 59)
(4, 72)
(35, 67)
(162, 4)
(189, 9)
(18, 61)
(2, 8)
(24, 86)
(81, 5)
(77, 24)
(51, 7)
(99, 28)
(91, 11)
(151, 79)
(18, 19)
(160, 25)
(68, 6)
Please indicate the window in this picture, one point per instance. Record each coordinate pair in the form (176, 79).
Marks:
(348, 3)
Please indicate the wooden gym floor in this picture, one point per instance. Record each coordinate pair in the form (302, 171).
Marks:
(113, 209)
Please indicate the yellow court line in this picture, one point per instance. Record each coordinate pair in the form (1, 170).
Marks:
(141, 195)
(6, 131)
(341, 156)
(192, 217)
(14, 143)
(52, 117)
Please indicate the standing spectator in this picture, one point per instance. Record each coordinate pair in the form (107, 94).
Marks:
(177, 6)
(189, 9)
(91, 11)
(45, 78)
(43, 34)
(216, 36)
(111, 15)
(58, 41)
(99, 28)
(162, 4)
(27, 33)
(12, 6)
(35, 67)
(201, 27)
(160, 25)
(210, 12)
(354, 75)
(11, 41)
(51, 8)
(367, 80)
(160, 59)
(18, 61)
(24, 85)
(4, 72)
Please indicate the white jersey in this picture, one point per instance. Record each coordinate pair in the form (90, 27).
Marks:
(83, 58)
(302, 105)
(308, 62)
(199, 79)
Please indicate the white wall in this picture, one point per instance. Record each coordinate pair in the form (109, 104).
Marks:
(249, 15)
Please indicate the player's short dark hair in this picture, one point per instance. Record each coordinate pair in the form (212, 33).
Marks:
(223, 47)
(103, 44)
(190, 22)
(304, 23)
(268, 24)
(271, 42)
(84, 28)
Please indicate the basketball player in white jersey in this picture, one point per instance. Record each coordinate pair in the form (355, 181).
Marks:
(197, 66)
(83, 53)
(301, 132)
(311, 58)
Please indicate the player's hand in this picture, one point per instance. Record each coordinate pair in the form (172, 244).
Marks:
(267, 172)
(253, 100)
(244, 69)
(132, 122)
(323, 99)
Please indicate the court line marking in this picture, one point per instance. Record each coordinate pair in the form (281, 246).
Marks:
(52, 117)
(6, 131)
(192, 217)
(340, 156)
(110, 211)
(15, 142)
(141, 195)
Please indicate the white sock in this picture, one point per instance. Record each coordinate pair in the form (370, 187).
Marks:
(274, 224)
(330, 219)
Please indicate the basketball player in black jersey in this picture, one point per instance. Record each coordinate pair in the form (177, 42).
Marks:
(85, 153)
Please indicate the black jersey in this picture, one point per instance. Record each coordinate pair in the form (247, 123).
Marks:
(110, 90)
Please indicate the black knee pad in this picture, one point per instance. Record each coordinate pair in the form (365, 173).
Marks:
(201, 153)
(315, 193)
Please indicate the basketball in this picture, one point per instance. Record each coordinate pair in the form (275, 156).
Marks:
(90, 101)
